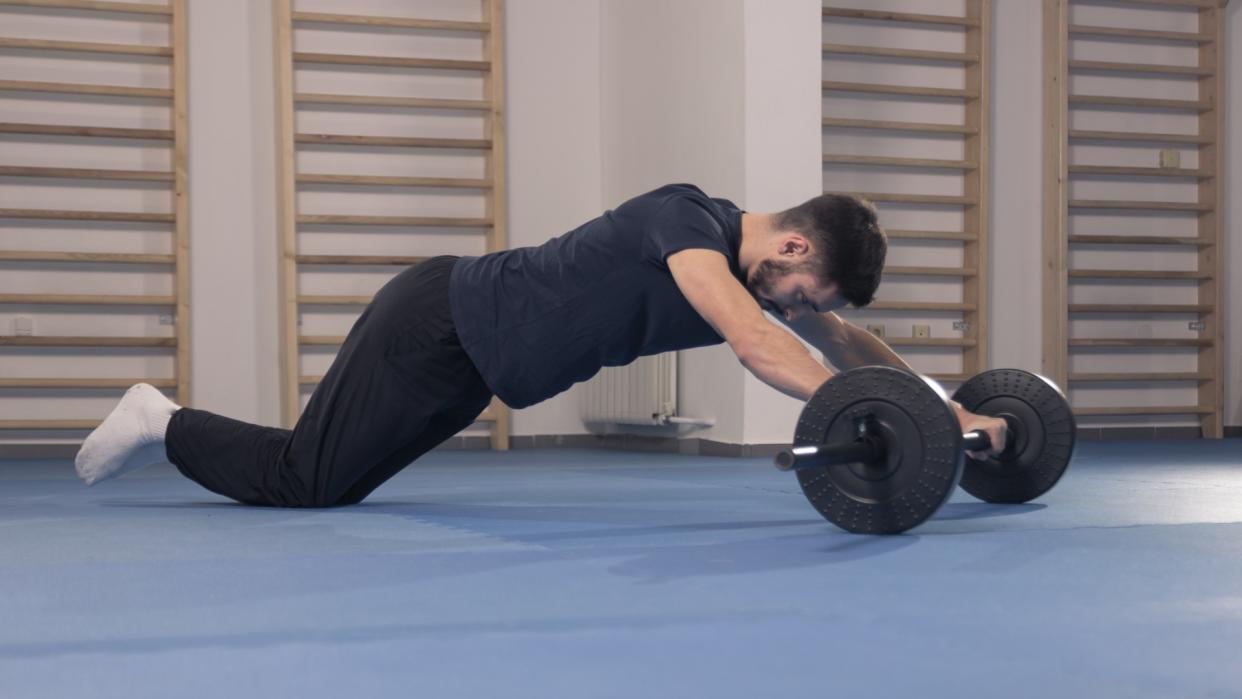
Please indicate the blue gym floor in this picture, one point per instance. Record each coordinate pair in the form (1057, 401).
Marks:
(611, 574)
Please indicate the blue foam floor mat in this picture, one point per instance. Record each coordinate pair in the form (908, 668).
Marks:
(572, 573)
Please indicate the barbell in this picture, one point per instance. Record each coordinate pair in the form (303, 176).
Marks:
(878, 450)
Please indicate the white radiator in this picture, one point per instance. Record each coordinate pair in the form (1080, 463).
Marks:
(641, 393)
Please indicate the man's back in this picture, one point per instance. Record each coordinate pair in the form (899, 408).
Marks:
(536, 320)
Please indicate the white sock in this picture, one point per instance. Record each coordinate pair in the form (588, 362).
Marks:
(116, 447)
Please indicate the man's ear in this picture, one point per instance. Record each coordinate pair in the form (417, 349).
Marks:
(794, 244)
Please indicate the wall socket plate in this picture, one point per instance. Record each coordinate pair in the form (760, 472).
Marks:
(922, 331)
(876, 329)
(167, 319)
(23, 326)
(1170, 158)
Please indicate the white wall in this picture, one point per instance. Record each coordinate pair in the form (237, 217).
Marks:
(233, 343)
(555, 145)
(783, 144)
(607, 98)
(673, 96)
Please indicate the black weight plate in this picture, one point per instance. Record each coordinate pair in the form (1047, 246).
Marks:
(923, 440)
(1044, 442)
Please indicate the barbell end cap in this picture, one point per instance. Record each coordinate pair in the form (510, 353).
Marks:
(785, 460)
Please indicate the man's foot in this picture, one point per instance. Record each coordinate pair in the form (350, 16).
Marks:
(116, 447)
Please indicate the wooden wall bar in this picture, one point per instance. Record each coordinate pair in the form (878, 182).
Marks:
(88, 347)
(295, 260)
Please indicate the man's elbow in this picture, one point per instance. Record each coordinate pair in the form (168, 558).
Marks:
(748, 347)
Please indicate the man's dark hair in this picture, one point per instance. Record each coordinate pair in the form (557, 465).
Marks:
(848, 241)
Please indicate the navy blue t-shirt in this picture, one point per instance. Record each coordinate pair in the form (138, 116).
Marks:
(536, 320)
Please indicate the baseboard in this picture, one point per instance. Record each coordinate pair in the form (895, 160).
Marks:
(1140, 433)
(663, 445)
(38, 452)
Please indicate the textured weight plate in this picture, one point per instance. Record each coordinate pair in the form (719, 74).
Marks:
(1042, 446)
(923, 439)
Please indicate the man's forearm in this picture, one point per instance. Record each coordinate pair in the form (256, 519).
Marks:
(783, 363)
(854, 347)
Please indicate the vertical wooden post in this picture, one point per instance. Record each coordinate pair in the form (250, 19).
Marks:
(975, 187)
(495, 169)
(1055, 364)
(181, 202)
(286, 164)
(1211, 192)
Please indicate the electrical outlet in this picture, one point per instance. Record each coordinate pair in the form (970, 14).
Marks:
(23, 326)
(876, 329)
(1170, 158)
(922, 331)
(166, 319)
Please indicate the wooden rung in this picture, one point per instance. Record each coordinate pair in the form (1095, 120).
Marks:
(913, 198)
(1141, 102)
(100, 257)
(930, 341)
(1152, 410)
(49, 424)
(899, 162)
(930, 235)
(127, 7)
(85, 173)
(321, 340)
(420, 221)
(1204, 4)
(403, 22)
(86, 131)
(1140, 171)
(1137, 137)
(1139, 376)
(399, 141)
(1135, 274)
(1140, 342)
(1109, 67)
(84, 383)
(929, 271)
(919, 306)
(1140, 240)
(910, 17)
(403, 260)
(87, 300)
(917, 54)
(65, 215)
(390, 61)
(323, 300)
(1143, 205)
(404, 102)
(387, 181)
(919, 127)
(80, 341)
(1138, 308)
(85, 47)
(85, 89)
(836, 86)
(949, 377)
(1147, 34)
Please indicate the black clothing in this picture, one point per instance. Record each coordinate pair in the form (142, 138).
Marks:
(425, 357)
(536, 320)
(400, 385)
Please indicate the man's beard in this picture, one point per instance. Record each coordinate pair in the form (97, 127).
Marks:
(767, 273)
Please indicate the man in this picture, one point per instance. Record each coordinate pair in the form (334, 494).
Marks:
(667, 270)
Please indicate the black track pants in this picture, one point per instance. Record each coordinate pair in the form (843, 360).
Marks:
(400, 385)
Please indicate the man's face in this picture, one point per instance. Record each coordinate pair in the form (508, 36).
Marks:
(789, 289)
